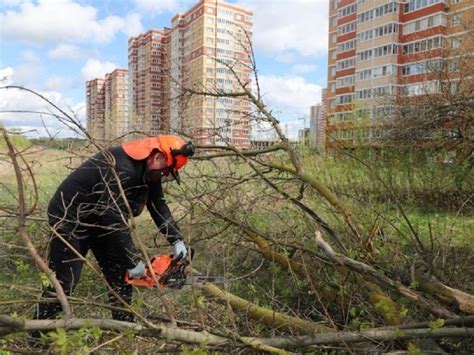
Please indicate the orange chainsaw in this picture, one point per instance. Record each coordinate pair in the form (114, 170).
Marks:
(171, 272)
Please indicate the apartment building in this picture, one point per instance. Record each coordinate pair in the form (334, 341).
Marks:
(382, 50)
(107, 106)
(116, 123)
(147, 80)
(316, 127)
(95, 107)
(317, 123)
(203, 50)
(212, 39)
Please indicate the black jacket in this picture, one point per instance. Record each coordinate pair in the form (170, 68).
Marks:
(88, 203)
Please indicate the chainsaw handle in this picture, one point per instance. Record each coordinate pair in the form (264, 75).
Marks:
(145, 281)
(185, 260)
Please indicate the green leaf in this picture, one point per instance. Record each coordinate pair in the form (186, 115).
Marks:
(138, 303)
(399, 333)
(413, 349)
(414, 284)
(44, 280)
(436, 324)
(60, 339)
(96, 332)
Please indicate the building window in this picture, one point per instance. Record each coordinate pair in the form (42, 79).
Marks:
(455, 43)
(377, 12)
(454, 65)
(345, 64)
(350, 27)
(423, 24)
(456, 20)
(422, 67)
(364, 94)
(388, 49)
(413, 5)
(345, 81)
(345, 11)
(346, 46)
(423, 45)
(364, 74)
(344, 99)
(377, 32)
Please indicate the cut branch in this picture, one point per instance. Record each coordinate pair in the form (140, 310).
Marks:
(267, 316)
(374, 335)
(382, 280)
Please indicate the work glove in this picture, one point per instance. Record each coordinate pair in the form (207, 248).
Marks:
(138, 271)
(180, 250)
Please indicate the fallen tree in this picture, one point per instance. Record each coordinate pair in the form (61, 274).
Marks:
(10, 325)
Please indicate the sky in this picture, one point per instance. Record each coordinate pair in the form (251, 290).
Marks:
(54, 46)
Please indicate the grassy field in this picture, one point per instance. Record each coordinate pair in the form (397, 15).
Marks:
(399, 200)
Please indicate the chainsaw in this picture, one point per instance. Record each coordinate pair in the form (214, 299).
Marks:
(171, 272)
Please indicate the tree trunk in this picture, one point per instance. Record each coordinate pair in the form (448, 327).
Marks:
(451, 296)
(374, 335)
(267, 316)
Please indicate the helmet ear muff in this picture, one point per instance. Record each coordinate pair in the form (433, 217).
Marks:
(187, 150)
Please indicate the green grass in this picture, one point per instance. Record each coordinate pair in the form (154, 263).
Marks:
(19, 141)
(433, 197)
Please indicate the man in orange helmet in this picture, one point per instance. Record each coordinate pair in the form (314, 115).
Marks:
(91, 207)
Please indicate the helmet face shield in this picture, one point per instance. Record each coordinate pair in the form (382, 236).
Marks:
(161, 175)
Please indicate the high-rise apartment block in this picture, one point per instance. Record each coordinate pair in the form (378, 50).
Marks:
(316, 127)
(116, 104)
(383, 50)
(317, 123)
(209, 51)
(204, 50)
(107, 106)
(95, 107)
(148, 96)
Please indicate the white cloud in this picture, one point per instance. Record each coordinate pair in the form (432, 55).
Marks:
(155, 7)
(94, 68)
(56, 83)
(15, 99)
(65, 51)
(27, 73)
(11, 3)
(303, 68)
(299, 25)
(63, 21)
(29, 56)
(291, 95)
(6, 75)
(28, 70)
(133, 25)
(286, 57)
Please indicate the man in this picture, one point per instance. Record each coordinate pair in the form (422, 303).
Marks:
(91, 207)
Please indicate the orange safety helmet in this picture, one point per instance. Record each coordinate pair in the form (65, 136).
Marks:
(174, 148)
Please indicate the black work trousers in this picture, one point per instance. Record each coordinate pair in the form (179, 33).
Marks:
(68, 266)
